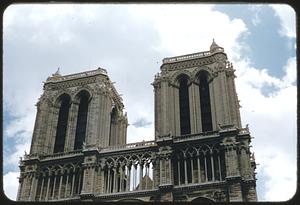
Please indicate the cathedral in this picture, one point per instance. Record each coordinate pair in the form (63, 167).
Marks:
(200, 151)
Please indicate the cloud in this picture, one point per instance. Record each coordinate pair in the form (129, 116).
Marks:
(10, 185)
(272, 121)
(141, 123)
(256, 8)
(130, 41)
(287, 17)
(178, 37)
(282, 185)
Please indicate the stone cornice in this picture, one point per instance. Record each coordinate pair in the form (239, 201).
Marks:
(194, 62)
(135, 193)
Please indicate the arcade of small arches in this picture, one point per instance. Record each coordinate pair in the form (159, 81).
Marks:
(131, 172)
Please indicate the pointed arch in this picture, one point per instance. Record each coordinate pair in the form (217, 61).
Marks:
(112, 129)
(205, 104)
(64, 105)
(83, 98)
(184, 105)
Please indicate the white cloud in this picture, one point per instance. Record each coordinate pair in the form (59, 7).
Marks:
(181, 27)
(130, 42)
(287, 17)
(13, 158)
(256, 9)
(272, 122)
(283, 182)
(10, 185)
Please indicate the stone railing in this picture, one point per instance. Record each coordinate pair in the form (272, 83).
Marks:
(187, 57)
(85, 74)
(57, 77)
(131, 145)
(195, 136)
(61, 155)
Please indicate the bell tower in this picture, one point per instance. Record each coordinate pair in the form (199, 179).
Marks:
(78, 109)
(194, 95)
(197, 118)
(75, 113)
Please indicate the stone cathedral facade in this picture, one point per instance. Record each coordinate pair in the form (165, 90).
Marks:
(200, 151)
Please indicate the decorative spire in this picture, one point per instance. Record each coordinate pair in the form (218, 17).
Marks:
(57, 73)
(213, 46)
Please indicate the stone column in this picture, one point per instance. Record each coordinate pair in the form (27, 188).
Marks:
(42, 187)
(80, 181)
(73, 182)
(54, 184)
(147, 175)
(199, 167)
(102, 179)
(198, 122)
(205, 167)
(141, 175)
(192, 105)
(213, 99)
(128, 177)
(108, 180)
(185, 171)
(31, 190)
(48, 186)
(192, 170)
(121, 184)
(115, 179)
(60, 184)
(178, 168)
(212, 165)
(160, 171)
(67, 184)
(176, 112)
(220, 168)
(71, 127)
(164, 112)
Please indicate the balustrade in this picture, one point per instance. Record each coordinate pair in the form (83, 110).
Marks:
(188, 57)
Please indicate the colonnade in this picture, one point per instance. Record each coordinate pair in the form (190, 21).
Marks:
(198, 166)
(130, 176)
(58, 184)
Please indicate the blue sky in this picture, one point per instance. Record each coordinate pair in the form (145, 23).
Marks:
(260, 40)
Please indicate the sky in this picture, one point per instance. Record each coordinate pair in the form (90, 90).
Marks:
(130, 41)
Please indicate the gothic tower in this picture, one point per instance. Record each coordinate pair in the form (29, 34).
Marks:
(200, 152)
(74, 113)
(196, 104)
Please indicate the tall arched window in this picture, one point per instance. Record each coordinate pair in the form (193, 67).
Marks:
(81, 120)
(205, 103)
(112, 133)
(62, 123)
(185, 127)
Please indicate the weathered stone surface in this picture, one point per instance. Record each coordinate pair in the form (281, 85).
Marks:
(211, 161)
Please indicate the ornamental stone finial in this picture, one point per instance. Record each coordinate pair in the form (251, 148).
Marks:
(57, 73)
(214, 47)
